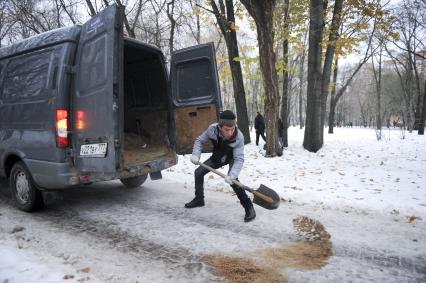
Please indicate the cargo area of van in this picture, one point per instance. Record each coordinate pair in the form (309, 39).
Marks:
(146, 115)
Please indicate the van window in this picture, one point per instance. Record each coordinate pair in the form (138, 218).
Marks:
(194, 79)
(94, 59)
(26, 77)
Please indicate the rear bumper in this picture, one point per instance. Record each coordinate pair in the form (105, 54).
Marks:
(156, 165)
(53, 175)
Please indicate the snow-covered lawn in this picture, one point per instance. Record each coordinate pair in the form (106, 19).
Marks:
(352, 170)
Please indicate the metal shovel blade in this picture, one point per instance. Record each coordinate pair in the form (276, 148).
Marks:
(264, 190)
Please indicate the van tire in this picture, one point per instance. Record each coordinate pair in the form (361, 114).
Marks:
(26, 195)
(134, 182)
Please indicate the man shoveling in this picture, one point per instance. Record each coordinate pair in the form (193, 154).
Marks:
(228, 148)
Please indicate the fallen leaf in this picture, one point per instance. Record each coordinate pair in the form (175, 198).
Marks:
(68, 276)
(85, 270)
(413, 218)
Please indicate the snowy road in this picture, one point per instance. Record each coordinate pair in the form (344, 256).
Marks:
(106, 233)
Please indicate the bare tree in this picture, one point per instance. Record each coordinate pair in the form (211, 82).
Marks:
(92, 10)
(5, 23)
(170, 15)
(130, 25)
(196, 33)
(301, 83)
(68, 8)
(328, 60)
(37, 21)
(263, 14)
(334, 97)
(411, 26)
(378, 80)
(285, 97)
(225, 17)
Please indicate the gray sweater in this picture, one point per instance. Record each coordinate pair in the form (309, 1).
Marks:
(238, 148)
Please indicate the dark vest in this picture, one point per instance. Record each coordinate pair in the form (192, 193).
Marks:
(222, 152)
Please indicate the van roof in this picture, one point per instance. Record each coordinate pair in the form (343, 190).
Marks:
(42, 40)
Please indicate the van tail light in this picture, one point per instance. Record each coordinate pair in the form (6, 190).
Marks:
(80, 120)
(62, 128)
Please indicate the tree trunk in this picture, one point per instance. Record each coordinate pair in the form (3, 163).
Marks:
(313, 140)
(418, 112)
(284, 102)
(263, 14)
(409, 106)
(328, 60)
(423, 116)
(227, 27)
(170, 10)
(130, 32)
(91, 9)
(331, 116)
(333, 101)
(301, 79)
(198, 33)
(379, 94)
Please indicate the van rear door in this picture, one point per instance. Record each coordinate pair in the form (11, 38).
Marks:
(195, 92)
(97, 99)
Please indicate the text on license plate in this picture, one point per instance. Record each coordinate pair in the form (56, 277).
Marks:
(93, 149)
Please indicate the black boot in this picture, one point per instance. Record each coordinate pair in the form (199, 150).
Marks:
(250, 214)
(195, 202)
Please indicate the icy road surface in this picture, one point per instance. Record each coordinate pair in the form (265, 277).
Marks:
(107, 233)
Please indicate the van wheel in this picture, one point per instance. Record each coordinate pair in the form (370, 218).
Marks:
(134, 182)
(26, 195)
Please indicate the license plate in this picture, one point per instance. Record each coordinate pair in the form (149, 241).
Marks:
(93, 150)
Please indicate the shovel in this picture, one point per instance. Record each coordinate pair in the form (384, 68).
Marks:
(264, 196)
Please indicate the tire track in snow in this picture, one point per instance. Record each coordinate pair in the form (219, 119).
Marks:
(413, 268)
(136, 245)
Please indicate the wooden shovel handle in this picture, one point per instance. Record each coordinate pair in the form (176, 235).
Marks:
(262, 196)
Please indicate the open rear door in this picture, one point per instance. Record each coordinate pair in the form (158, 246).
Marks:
(97, 98)
(196, 93)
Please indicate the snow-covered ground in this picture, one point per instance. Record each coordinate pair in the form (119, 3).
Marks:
(352, 170)
(370, 195)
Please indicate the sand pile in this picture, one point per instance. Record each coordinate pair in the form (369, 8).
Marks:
(241, 270)
(310, 229)
(270, 265)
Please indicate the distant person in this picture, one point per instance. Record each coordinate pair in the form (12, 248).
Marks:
(259, 125)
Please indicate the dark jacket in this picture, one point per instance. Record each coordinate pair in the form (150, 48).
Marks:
(259, 123)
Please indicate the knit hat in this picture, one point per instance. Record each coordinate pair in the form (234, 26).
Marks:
(227, 118)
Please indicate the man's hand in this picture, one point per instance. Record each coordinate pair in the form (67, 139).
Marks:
(195, 159)
(229, 180)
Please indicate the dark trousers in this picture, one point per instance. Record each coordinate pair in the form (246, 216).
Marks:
(200, 172)
(260, 133)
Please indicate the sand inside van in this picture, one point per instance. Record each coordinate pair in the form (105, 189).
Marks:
(139, 149)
